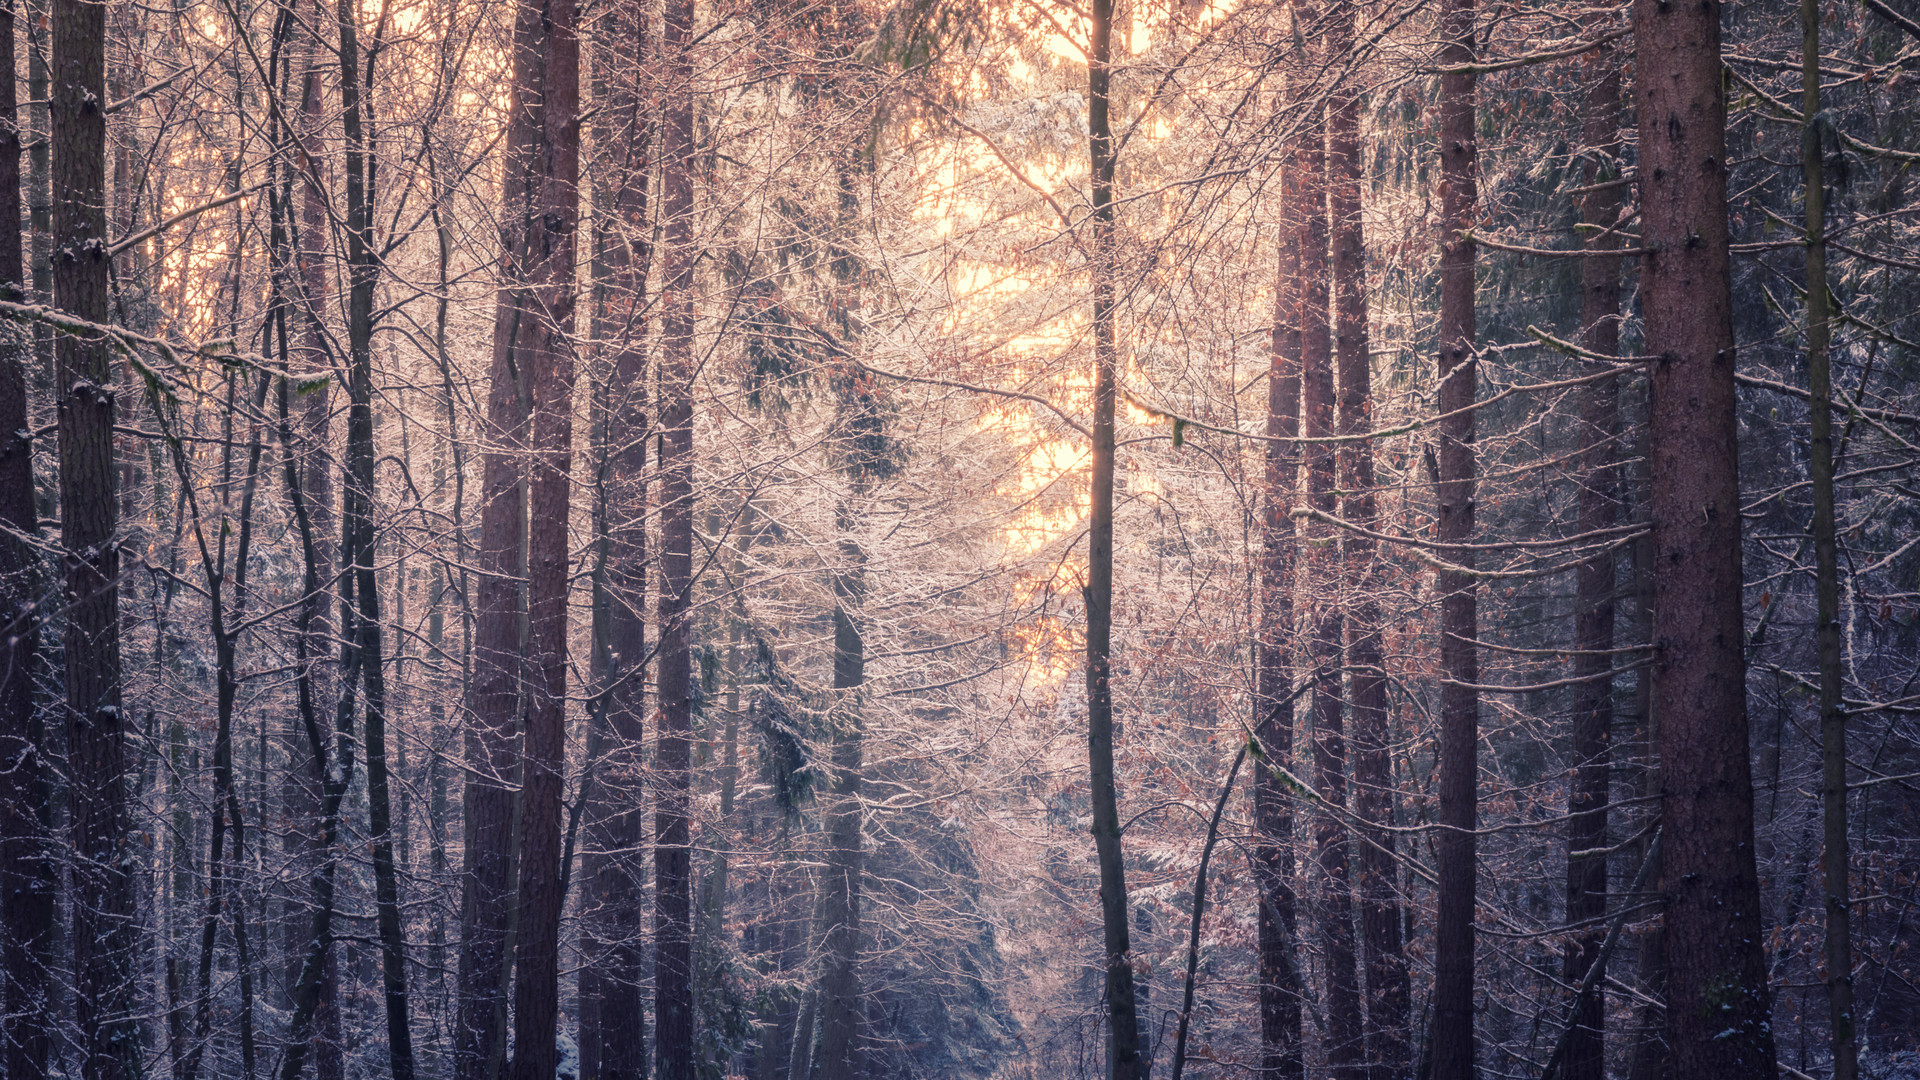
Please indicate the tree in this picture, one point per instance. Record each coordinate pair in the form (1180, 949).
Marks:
(1389, 992)
(27, 888)
(1593, 641)
(543, 353)
(104, 932)
(1718, 1003)
(1820, 464)
(613, 1043)
(1124, 1058)
(1452, 1046)
(672, 829)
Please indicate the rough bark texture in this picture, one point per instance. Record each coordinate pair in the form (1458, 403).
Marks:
(1344, 1041)
(1388, 986)
(1124, 1058)
(489, 883)
(1717, 997)
(1281, 1053)
(27, 885)
(1454, 846)
(1599, 508)
(613, 1026)
(103, 929)
(545, 354)
(673, 876)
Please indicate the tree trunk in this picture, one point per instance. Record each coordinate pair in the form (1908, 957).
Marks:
(1344, 1045)
(1842, 1036)
(27, 887)
(546, 357)
(1281, 1052)
(1599, 509)
(488, 886)
(1718, 1003)
(1453, 1011)
(103, 894)
(312, 1006)
(1388, 989)
(313, 470)
(673, 877)
(624, 249)
(357, 545)
(1124, 1058)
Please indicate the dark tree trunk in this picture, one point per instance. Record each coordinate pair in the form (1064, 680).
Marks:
(673, 877)
(1388, 987)
(1124, 1058)
(27, 886)
(314, 472)
(312, 988)
(1281, 1052)
(1842, 1034)
(489, 884)
(545, 355)
(1453, 1011)
(1599, 509)
(357, 531)
(613, 1019)
(104, 929)
(1345, 1046)
(840, 1007)
(1718, 1003)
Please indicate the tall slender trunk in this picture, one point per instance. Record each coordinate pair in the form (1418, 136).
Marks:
(225, 613)
(841, 1009)
(357, 525)
(489, 883)
(27, 890)
(1281, 1050)
(314, 473)
(1455, 849)
(672, 858)
(1843, 1038)
(1599, 510)
(546, 356)
(1388, 986)
(103, 893)
(1124, 1058)
(1345, 1046)
(623, 249)
(1718, 1002)
(330, 777)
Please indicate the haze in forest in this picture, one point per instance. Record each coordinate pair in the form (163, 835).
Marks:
(858, 539)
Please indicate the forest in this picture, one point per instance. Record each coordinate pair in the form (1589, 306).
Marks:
(963, 539)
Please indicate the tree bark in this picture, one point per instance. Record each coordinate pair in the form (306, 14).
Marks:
(358, 539)
(1599, 509)
(546, 355)
(1842, 1037)
(1455, 848)
(104, 928)
(1124, 1058)
(673, 878)
(311, 1003)
(614, 1019)
(1281, 1051)
(489, 884)
(1344, 1039)
(1718, 1002)
(1388, 986)
(27, 885)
